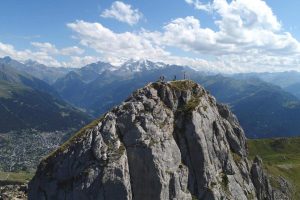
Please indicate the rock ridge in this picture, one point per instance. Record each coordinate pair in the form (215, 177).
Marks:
(168, 140)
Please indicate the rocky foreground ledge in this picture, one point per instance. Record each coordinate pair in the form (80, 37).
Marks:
(168, 140)
(13, 192)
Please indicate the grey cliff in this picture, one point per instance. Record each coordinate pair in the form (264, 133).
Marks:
(168, 140)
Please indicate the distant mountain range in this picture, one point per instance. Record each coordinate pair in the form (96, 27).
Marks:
(289, 81)
(98, 93)
(263, 109)
(27, 102)
(40, 71)
(265, 103)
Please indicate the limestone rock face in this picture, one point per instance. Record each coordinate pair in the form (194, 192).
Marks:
(260, 181)
(166, 141)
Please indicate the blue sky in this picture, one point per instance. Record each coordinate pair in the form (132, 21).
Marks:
(216, 35)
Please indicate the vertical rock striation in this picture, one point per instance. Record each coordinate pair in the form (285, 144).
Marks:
(166, 141)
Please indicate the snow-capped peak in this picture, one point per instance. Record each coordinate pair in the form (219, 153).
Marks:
(99, 67)
(141, 65)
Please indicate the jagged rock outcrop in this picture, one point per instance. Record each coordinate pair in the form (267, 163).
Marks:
(260, 180)
(166, 141)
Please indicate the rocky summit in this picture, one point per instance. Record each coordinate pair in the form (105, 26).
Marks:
(168, 140)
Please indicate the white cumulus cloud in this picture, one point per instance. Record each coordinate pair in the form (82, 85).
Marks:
(39, 56)
(244, 26)
(200, 5)
(115, 45)
(51, 49)
(79, 61)
(123, 13)
(46, 54)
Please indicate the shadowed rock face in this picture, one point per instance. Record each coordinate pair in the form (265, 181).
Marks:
(166, 141)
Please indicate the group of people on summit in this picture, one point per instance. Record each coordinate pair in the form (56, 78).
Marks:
(162, 78)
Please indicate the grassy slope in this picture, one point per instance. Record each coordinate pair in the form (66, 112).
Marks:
(15, 177)
(281, 158)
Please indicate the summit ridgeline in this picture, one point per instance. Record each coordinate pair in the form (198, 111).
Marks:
(168, 140)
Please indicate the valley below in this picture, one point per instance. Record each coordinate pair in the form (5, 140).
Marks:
(20, 154)
(22, 151)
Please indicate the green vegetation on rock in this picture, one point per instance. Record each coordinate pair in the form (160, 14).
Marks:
(191, 105)
(75, 138)
(183, 85)
(225, 182)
